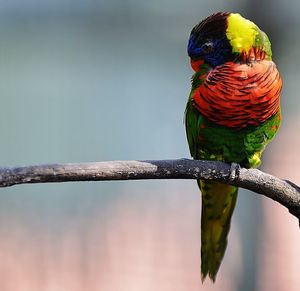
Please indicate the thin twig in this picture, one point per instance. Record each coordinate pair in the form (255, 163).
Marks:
(284, 192)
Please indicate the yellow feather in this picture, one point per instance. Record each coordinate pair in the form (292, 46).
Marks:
(241, 33)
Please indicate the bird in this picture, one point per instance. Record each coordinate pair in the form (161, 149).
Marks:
(232, 113)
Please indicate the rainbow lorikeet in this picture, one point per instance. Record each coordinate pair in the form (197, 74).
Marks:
(232, 113)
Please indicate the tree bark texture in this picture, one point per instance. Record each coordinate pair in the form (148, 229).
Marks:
(282, 191)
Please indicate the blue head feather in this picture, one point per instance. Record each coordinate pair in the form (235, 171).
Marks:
(214, 52)
(208, 41)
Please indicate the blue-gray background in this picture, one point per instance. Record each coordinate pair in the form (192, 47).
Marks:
(108, 80)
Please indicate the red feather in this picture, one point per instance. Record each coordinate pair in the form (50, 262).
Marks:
(238, 95)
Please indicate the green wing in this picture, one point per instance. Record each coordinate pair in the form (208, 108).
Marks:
(208, 141)
(212, 142)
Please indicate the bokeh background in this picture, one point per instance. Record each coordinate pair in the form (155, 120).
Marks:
(108, 80)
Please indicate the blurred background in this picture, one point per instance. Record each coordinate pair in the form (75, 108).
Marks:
(108, 80)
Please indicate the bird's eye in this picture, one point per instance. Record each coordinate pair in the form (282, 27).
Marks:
(207, 47)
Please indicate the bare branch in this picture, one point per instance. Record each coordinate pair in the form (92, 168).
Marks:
(284, 192)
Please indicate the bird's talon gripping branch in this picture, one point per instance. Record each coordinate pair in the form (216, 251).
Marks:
(234, 172)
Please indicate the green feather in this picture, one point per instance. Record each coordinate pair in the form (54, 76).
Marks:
(218, 202)
(208, 141)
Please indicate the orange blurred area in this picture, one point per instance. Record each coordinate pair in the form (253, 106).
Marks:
(136, 246)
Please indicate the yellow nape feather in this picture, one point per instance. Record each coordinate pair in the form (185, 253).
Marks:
(241, 33)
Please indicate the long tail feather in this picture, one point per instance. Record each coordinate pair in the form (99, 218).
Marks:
(218, 202)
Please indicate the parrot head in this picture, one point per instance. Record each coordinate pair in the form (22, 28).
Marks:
(224, 37)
